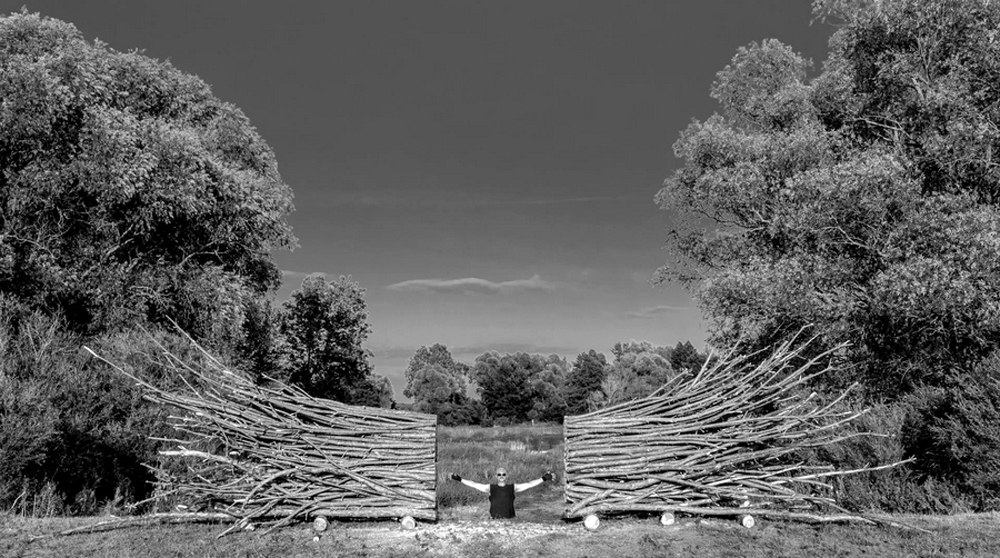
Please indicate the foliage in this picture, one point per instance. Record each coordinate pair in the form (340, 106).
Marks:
(520, 387)
(71, 431)
(585, 377)
(128, 191)
(685, 357)
(438, 385)
(323, 327)
(954, 433)
(898, 489)
(639, 369)
(863, 201)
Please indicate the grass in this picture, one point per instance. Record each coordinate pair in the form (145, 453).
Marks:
(475, 453)
(463, 529)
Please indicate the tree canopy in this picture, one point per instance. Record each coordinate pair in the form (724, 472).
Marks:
(128, 191)
(520, 387)
(324, 326)
(438, 384)
(863, 201)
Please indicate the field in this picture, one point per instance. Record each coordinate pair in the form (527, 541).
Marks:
(464, 530)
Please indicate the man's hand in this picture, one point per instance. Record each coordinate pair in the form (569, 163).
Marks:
(547, 477)
(455, 477)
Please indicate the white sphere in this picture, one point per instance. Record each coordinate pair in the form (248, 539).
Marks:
(320, 524)
(408, 522)
(591, 522)
(668, 518)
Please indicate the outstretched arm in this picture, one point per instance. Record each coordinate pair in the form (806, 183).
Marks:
(471, 484)
(521, 487)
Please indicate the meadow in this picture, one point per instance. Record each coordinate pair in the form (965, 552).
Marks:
(463, 528)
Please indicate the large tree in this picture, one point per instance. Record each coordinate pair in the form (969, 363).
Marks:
(128, 191)
(129, 195)
(863, 201)
(324, 326)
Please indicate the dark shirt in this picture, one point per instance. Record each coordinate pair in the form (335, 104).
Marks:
(501, 501)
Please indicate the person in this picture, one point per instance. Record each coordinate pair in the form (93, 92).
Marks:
(501, 493)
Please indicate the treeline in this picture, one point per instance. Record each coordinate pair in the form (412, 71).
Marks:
(517, 388)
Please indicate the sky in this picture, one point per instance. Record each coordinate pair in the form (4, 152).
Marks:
(485, 170)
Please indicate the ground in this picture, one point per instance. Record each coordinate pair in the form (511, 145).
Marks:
(466, 532)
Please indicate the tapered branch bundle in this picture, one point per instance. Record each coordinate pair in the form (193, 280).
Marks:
(271, 454)
(722, 438)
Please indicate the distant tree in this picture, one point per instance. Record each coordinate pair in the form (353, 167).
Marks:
(547, 387)
(639, 369)
(865, 201)
(324, 326)
(373, 391)
(685, 357)
(584, 378)
(519, 387)
(439, 385)
(129, 192)
(434, 379)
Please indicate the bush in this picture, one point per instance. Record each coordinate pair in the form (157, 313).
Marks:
(899, 489)
(73, 433)
(953, 432)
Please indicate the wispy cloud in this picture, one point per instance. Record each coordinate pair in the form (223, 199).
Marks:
(582, 199)
(289, 274)
(368, 198)
(472, 285)
(652, 312)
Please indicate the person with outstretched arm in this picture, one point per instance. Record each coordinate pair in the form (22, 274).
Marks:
(501, 493)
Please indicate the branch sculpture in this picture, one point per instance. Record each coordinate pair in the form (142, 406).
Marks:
(269, 455)
(721, 439)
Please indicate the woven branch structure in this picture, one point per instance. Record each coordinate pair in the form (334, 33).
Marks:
(723, 438)
(270, 455)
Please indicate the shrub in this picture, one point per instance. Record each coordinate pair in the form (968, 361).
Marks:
(953, 433)
(899, 489)
(73, 433)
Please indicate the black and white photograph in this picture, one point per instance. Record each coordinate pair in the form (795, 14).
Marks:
(499, 278)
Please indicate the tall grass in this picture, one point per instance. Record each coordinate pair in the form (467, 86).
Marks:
(473, 452)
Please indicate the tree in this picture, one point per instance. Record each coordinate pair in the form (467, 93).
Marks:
(128, 191)
(584, 378)
(685, 357)
(373, 391)
(639, 369)
(324, 325)
(519, 387)
(438, 385)
(863, 201)
(129, 196)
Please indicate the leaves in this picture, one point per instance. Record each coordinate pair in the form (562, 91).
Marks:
(862, 201)
(122, 179)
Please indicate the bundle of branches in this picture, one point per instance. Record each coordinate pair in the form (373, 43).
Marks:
(720, 440)
(271, 454)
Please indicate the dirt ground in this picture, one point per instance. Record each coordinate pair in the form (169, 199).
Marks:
(465, 531)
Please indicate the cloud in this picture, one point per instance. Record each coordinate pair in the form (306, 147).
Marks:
(652, 312)
(472, 284)
(289, 274)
